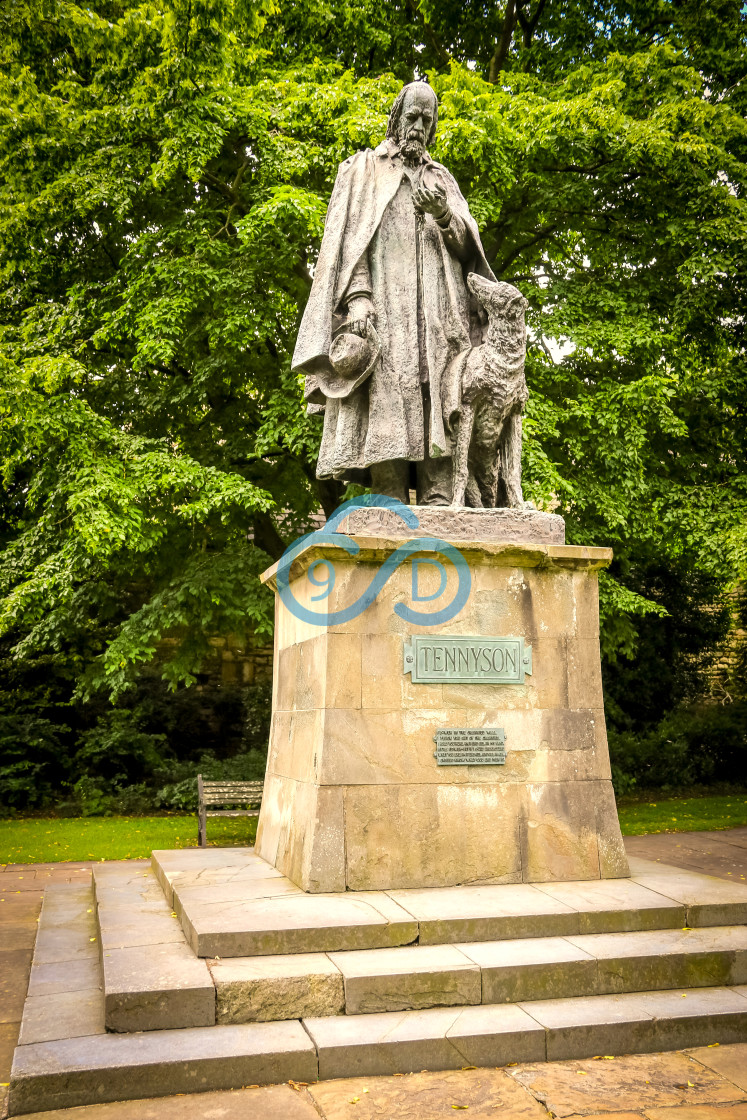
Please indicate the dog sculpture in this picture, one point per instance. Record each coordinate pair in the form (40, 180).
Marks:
(487, 458)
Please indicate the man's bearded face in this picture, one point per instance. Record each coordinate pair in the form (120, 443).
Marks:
(415, 123)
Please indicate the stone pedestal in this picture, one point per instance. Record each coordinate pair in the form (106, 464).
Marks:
(354, 797)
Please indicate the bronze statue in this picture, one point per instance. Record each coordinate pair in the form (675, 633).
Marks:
(391, 322)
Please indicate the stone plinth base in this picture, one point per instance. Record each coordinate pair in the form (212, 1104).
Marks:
(354, 798)
(522, 526)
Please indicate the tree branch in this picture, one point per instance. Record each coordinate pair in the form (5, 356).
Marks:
(301, 270)
(528, 26)
(503, 44)
(267, 537)
(434, 43)
(541, 234)
(211, 180)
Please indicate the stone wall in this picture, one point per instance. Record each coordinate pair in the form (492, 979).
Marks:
(724, 682)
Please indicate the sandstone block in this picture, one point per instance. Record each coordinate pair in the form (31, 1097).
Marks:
(258, 989)
(449, 834)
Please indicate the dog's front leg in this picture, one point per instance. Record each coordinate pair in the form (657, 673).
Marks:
(511, 460)
(461, 455)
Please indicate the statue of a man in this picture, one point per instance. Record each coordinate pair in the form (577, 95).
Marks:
(390, 320)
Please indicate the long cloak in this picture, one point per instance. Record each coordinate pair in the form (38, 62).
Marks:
(371, 213)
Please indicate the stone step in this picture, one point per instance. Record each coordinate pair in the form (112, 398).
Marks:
(547, 1030)
(250, 989)
(118, 1067)
(105, 1067)
(151, 978)
(236, 905)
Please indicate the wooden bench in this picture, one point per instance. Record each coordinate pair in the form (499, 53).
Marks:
(225, 793)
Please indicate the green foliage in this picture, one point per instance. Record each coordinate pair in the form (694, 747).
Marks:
(693, 745)
(165, 170)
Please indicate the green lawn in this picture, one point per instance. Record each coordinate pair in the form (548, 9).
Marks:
(47, 840)
(683, 814)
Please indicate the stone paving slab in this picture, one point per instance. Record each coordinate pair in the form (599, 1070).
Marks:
(393, 1042)
(653, 959)
(709, 901)
(408, 978)
(706, 1014)
(191, 898)
(168, 864)
(55, 1075)
(261, 989)
(67, 930)
(271, 1102)
(700, 1112)
(455, 914)
(728, 1061)
(55, 977)
(63, 1015)
(481, 1093)
(721, 852)
(635, 1082)
(616, 905)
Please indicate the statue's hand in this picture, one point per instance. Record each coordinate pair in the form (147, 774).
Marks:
(360, 310)
(431, 201)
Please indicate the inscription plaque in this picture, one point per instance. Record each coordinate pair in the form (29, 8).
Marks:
(471, 660)
(470, 746)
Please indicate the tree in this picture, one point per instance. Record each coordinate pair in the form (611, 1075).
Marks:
(165, 174)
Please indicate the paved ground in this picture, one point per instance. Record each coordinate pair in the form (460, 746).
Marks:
(713, 853)
(709, 1083)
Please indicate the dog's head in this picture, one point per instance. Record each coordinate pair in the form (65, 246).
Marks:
(500, 300)
(505, 306)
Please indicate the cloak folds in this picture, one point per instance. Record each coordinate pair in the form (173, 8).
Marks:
(426, 329)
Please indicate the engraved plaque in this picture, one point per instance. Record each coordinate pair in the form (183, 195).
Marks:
(470, 746)
(447, 658)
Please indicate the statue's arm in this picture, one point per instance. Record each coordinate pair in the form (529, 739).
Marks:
(357, 300)
(360, 281)
(456, 235)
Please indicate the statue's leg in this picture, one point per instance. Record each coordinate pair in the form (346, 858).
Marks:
(511, 460)
(461, 454)
(434, 481)
(392, 479)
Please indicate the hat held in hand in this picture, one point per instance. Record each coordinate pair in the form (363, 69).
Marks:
(352, 359)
